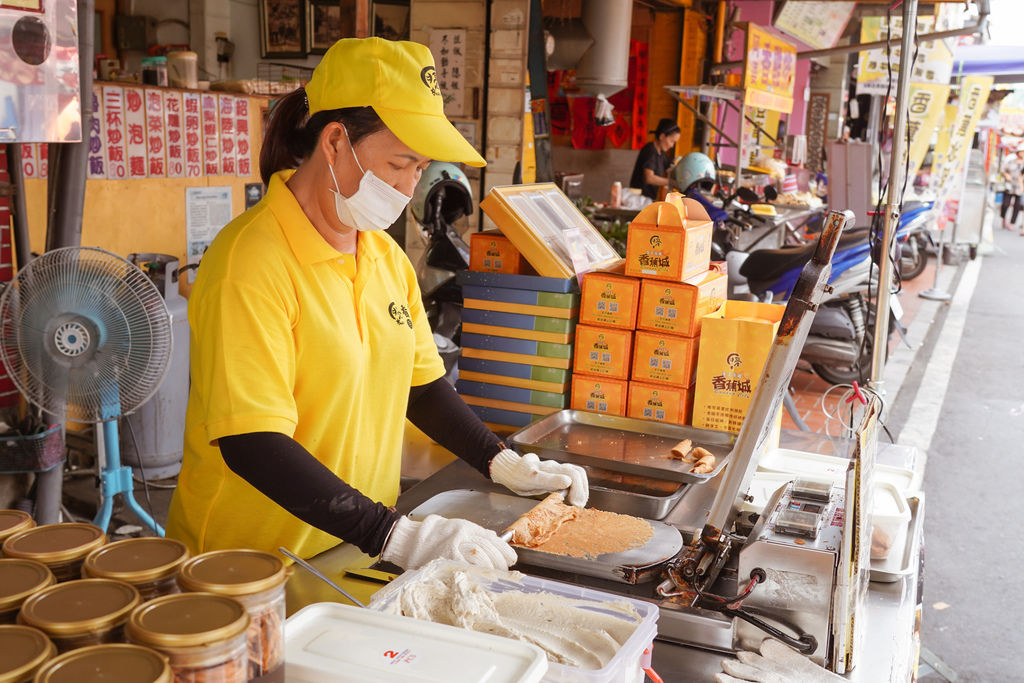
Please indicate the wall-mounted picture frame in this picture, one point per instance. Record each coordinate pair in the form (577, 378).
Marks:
(325, 25)
(391, 19)
(282, 29)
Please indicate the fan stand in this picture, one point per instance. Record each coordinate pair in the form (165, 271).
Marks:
(116, 479)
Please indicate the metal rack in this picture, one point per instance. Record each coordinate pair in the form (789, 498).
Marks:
(707, 97)
(273, 78)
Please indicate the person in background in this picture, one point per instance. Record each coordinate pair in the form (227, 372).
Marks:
(654, 161)
(310, 346)
(1013, 187)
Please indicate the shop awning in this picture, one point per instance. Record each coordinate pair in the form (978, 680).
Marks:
(1005, 62)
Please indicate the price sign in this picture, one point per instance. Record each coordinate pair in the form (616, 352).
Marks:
(770, 71)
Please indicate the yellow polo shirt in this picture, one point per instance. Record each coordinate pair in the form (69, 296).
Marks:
(291, 336)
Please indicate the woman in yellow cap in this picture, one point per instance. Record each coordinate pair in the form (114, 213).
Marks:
(310, 346)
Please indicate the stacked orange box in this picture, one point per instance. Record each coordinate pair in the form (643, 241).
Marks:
(641, 326)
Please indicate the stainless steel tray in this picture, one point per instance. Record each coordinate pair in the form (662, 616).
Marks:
(496, 511)
(630, 494)
(622, 444)
(900, 564)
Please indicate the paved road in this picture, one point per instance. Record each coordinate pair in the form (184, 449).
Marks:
(974, 582)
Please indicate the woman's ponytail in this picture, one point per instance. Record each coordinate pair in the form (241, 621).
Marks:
(292, 134)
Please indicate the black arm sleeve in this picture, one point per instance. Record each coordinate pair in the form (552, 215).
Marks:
(282, 470)
(443, 416)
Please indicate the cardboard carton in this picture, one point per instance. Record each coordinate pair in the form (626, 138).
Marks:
(659, 403)
(669, 240)
(603, 351)
(664, 358)
(492, 252)
(733, 351)
(679, 307)
(599, 395)
(610, 300)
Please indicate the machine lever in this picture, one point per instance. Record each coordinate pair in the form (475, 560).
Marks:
(804, 643)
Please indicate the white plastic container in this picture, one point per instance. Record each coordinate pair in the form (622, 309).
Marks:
(626, 666)
(326, 638)
(831, 468)
(890, 515)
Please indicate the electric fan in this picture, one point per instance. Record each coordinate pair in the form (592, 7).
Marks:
(86, 337)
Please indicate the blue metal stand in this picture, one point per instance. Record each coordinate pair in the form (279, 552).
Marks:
(116, 479)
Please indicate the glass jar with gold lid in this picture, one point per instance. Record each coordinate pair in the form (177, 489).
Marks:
(61, 547)
(23, 650)
(104, 663)
(20, 580)
(257, 580)
(202, 634)
(14, 521)
(80, 613)
(150, 564)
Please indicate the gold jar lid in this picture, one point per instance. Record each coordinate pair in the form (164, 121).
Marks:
(82, 606)
(187, 620)
(55, 543)
(23, 649)
(233, 572)
(136, 560)
(14, 521)
(104, 663)
(19, 579)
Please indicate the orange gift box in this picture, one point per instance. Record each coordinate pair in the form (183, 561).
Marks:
(492, 252)
(610, 300)
(660, 403)
(679, 308)
(664, 358)
(599, 395)
(603, 351)
(669, 240)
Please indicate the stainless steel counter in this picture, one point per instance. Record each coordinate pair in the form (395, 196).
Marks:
(892, 607)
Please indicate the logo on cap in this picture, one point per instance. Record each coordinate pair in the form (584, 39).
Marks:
(429, 78)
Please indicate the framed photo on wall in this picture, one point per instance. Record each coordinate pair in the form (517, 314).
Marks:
(282, 28)
(325, 25)
(391, 19)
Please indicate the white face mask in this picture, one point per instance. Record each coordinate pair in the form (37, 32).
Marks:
(375, 204)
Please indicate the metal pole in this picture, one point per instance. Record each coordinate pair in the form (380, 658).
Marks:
(892, 210)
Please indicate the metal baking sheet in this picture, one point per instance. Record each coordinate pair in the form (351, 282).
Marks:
(630, 494)
(497, 511)
(622, 444)
(900, 564)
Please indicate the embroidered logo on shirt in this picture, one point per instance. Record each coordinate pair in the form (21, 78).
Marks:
(400, 314)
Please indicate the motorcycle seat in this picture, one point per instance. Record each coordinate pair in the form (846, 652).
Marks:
(767, 265)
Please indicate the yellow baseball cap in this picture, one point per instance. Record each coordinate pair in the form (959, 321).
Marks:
(397, 79)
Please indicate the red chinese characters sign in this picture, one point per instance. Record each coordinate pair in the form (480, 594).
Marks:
(175, 125)
(770, 71)
(242, 140)
(113, 132)
(211, 139)
(193, 136)
(155, 136)
(135, 132)
(227, 134)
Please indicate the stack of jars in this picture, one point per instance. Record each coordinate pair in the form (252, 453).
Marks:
(71, 602)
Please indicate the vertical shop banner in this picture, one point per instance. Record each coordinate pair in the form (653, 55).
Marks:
(755, 142)
(43, 163)
(934, 62)
(29, 163)
(770, 71)
(449, 49)
(97, 160)
(818, 24)
(211, 140)
(156, 135)
(135, 132)
(113, 132)
(174, 125)
(925, 109)
(974, 92)
(193, 135)
(243, 149)
(227, 133)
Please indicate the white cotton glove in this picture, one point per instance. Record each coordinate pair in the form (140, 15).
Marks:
(777, 663)
(413, 544)
(528, 475)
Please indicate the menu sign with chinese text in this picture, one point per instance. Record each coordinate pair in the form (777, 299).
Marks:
(155, 135)
(818, 24)
(925, 108)
(96, 163)
(211, 138)
(933, 63)
(135, 132)
(449, 49)
(113, 128)
(174, 124)
(243, 161)
(193, 136)
(770, 71)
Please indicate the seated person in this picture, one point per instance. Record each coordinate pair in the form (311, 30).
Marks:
(654, 162)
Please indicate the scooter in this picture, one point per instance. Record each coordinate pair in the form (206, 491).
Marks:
(839, 345)
(919, 242)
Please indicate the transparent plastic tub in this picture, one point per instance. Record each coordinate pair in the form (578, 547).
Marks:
(626, 666)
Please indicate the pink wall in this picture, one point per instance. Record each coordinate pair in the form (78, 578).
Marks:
(760, 12)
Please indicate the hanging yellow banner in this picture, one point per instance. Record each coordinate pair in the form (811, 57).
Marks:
(974, 92)
(769, 72)
(933, 62)
(926, 104)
